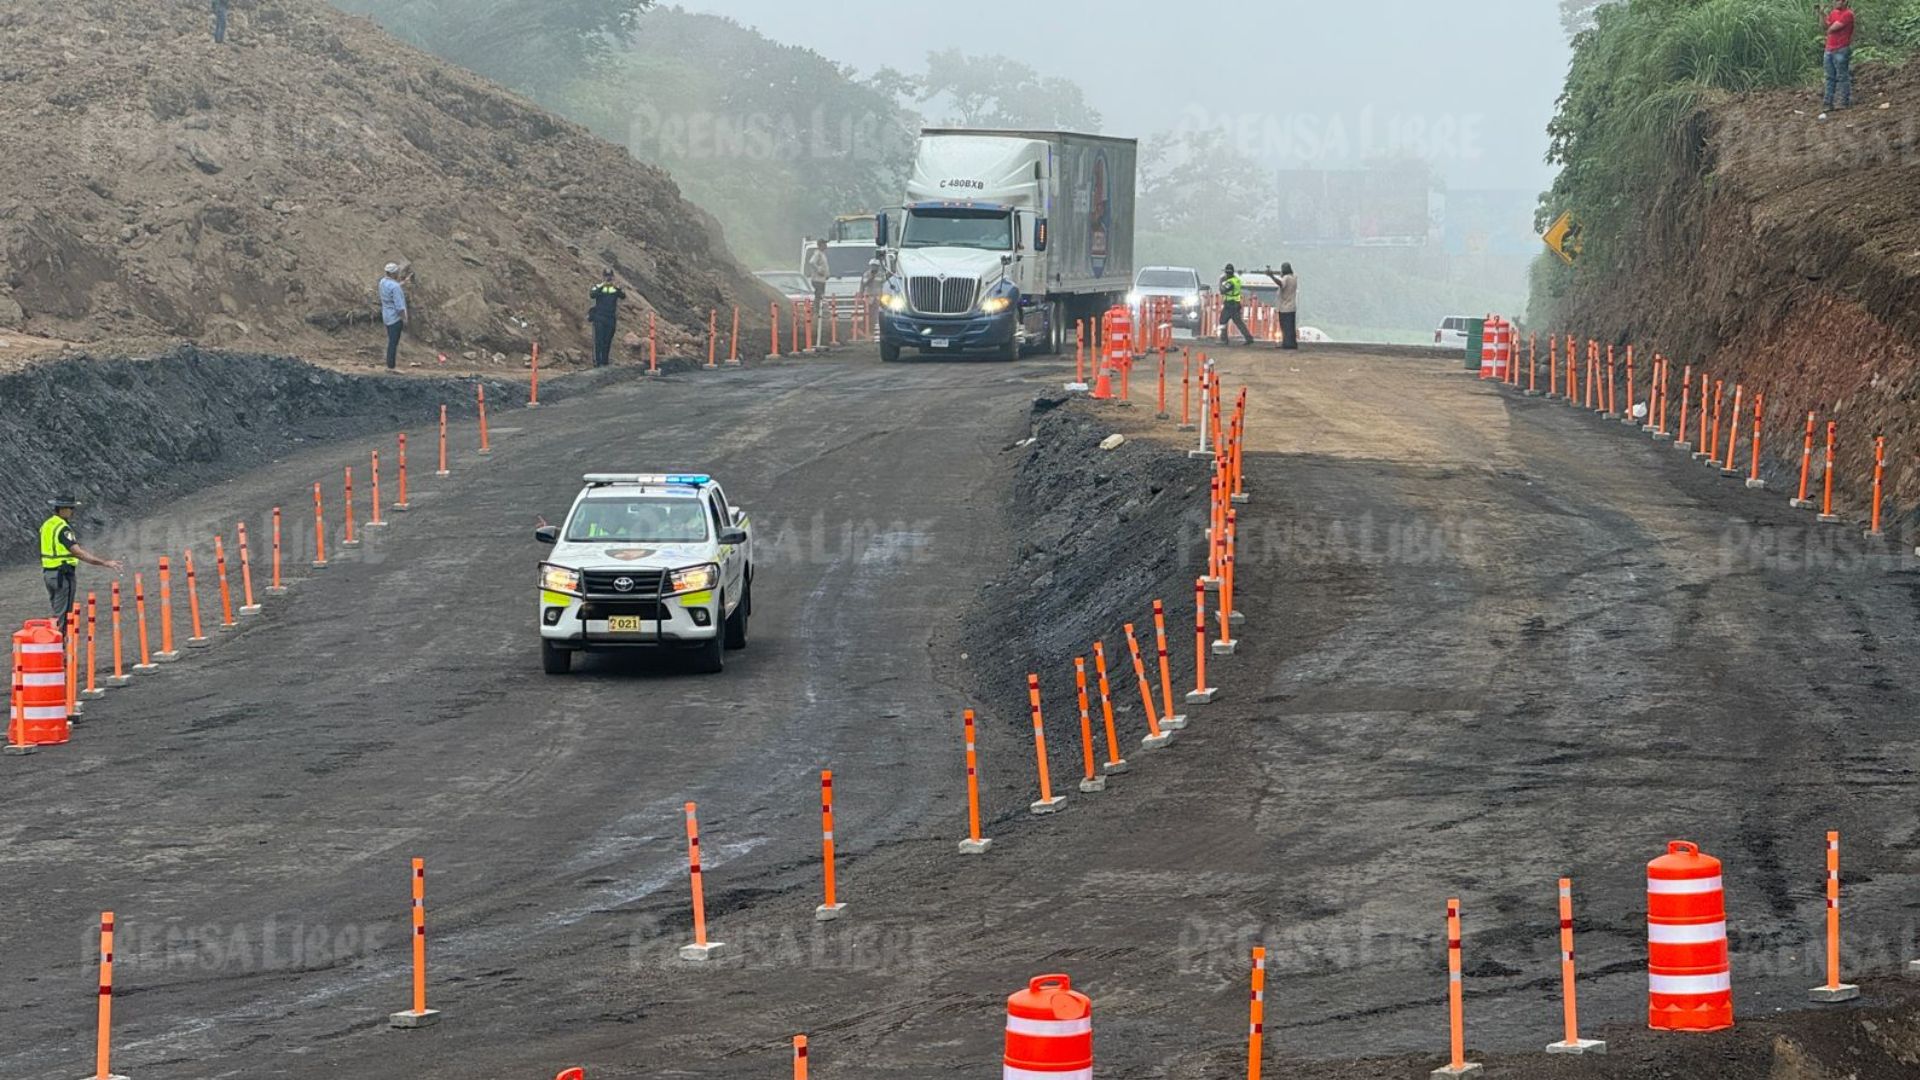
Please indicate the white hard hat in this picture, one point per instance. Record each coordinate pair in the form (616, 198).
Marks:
(393, 268)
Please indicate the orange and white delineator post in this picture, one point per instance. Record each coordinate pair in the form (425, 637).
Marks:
(198, 638)
(1826, 496)
(320, 528)
(1753, 453)
(167, 653)
(1257, 1012)
(486, 445)
(773, 335)
(442, 470)
(1155, 738)
(401, 503)
(1801, 502)
(350, 538)
(1226, 644)
(1169, 719)
(374, 520)
(1627, 416)
(146, 664)
(248, 605)
(533, 393)
(832, 908)
(70, 646)
(1686, 403)
(1457, 1064)
(1115, 763)
(1571, 1043)
(1710, 449)
(701, 949)
(1729, 465)
(419, 1016)
(1201, 694)
(1834, 990)
(103, 1025)
(1090, 780)
(1048, 802)
(1879, 476)
(119, 676)
(799, 1057)
(974, 844)
(93, 689)
(226, 590)
(276, 586)
(733, 339)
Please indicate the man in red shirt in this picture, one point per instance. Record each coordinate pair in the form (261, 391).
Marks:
(1839, 26)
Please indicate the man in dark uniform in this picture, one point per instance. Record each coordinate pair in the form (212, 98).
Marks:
(605, 314)
(60, 556)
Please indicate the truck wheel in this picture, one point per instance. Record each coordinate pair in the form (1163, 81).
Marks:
(736, 627)
(555, 660)
(889, 352)
(1057, 333)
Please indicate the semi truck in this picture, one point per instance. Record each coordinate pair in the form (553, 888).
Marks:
(1005, 239)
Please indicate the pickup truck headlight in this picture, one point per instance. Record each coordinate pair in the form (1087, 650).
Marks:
(1133, 298)
(994, 305)
(1191, 302)
(559, 579)
(696, 578)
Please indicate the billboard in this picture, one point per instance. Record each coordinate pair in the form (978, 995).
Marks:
(1380, 207)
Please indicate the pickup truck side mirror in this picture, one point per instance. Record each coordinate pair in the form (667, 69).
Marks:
(547, 534)
(733, 535)
(739, 515)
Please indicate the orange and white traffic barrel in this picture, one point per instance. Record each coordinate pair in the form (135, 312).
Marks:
(1488, 350)
(1689, 977)
(40, 715)
(1049, 1032)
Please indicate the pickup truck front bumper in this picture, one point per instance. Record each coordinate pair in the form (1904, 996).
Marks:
(588, 623)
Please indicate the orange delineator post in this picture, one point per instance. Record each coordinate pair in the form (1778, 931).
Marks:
(1834, 990)
(1613, 384)
(349, 540)
(1227, 643)
(1257, 1014)
(419, 1016)
(140, 624)
(17, 707)
(1553, 366)
(773, 330)
(247, 604)
(93, 628)
(1733, 433)
(533, 390)
(166, 652)
(1168, 719)
(1686, 403)
(275, 587)
(832, 908)
(653, 339)
(486, 447)
(1456, 1019)
(733, 339)
(1806, 465)
(1049, 802)
(1571, 1043)
(799, 1057)
(793, 328)
(103, 1033)
(320, 520)
(1186, 390)
(119, 676)
(71, 647)
(1155, 737)
(401, 502)
(1719, 399)
(974, 844)
(442, 471)
(713, 336)
(701, 949)
(833, 321)
(1201, 693)
(226, 590)
(374, 520)
(1090, 780)
(1533, 363)
(1079, 352)
(1160, 412)
(1826, 499)
(199, 638)
(1753, 452)
(1879, 473)
(1114, 763)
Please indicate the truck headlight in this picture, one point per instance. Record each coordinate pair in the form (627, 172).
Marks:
(559, 579)
(893, 302)
(695, 578)
(994, 305)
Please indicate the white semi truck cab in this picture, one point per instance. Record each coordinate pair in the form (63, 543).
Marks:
(1005, 239)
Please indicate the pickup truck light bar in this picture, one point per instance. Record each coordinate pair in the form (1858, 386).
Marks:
(605, 479)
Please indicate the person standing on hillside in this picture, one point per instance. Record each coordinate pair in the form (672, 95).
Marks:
(816, 269)
(604, 316)
(393, 310)
(1839, 23)
(1233, 294)
(61, 556)
(1288, 303)
(220, 21)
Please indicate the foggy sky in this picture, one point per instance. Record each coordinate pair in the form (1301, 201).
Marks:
(1467, 86)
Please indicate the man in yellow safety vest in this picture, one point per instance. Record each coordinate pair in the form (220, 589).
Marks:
(1232, 295)
(60, 556)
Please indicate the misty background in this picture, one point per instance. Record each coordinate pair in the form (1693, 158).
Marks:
(1394, 154)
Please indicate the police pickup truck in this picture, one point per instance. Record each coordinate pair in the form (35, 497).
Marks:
(646, 560)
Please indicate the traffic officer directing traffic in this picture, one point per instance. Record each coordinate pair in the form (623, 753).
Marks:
(1232, 293)
(605, 313)
(60, 556)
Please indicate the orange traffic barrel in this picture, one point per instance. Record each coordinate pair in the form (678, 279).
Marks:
(41, 716)
(1049, 1032)
(1116, 335)
(1488, 348)
(1689, 978)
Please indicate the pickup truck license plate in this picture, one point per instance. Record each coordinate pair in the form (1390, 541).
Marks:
(623, 624)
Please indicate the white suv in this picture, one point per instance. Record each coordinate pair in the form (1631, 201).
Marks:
(646, 560)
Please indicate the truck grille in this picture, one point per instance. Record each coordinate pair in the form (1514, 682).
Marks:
(640, 582)
(932, 296)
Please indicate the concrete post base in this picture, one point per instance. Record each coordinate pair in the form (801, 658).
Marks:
(199, 643)
(411, 1019)
(350, 543)
(1225, 648)
(1241, 499)
(443, 473)
(1729, 472)
(1630, 421)
(1913, 969)
(90, 695)
(145, 669)
(1871, 534)
(828, 912)
(1201, 697)
(1075, 387)
(278, 590)
(381, 523)
(1532, 393)
(1237, 617)
(1115, 768)
(110, 1076)
(976, 847)
(1578, 1046)
(1199, 453)
(21, 750)
(1093, 786)
(320, 564)
(1662, 436)
(1176, 722)
(1828, 519)
(1212, 584)
(1701, 455)
(1683, 446)
(1155, 742)
(1469, 1067)
(167, 657)
(402, 507)
(117, 681)
(1048, 806)
(1800, 504)
(1608, 416)
(251, 609)
(1185, 427)
(700, 954)
(1162, 416)
(1830, 995)
(1756, 485)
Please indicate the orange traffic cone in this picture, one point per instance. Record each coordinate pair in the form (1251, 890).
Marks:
(1102, 386)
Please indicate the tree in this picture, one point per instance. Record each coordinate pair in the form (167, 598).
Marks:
(1578, 15)
(994, 91)
(533, 46)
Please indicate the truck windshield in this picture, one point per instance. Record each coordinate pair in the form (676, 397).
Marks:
(655, 519)
(988, 230)
(1168, 279)
(856, 229)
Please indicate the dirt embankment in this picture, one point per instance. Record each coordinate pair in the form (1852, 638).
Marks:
(1784, 253)
(159, 186)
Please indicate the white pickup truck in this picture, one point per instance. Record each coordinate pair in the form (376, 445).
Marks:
(646, 560)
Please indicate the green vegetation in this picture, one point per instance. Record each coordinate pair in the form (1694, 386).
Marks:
(1644, 68)
(534, 46)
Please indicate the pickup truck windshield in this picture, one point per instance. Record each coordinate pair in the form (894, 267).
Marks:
(988, 230)
(652, 519)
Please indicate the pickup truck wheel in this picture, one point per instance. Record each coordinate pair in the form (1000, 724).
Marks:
(555, 660)
(889, 352)
(736, 626)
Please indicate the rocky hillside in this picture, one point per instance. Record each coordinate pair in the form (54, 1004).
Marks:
(1784, 252)
(160, 186)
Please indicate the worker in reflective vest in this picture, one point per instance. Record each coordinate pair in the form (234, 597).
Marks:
(1232, 293)
(60, 556)
(604, 315)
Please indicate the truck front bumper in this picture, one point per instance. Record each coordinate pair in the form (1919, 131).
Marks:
(589, 623)
(947, 335)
